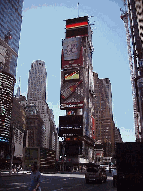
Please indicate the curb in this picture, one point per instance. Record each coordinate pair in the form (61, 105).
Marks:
(13, 174)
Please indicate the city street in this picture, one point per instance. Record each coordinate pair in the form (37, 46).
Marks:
(55, 182)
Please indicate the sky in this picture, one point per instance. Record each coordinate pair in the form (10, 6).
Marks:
(43, 28)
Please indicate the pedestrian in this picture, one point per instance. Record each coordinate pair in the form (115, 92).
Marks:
(109, 167)
(114, 175)
(35, 179)
(15, 167)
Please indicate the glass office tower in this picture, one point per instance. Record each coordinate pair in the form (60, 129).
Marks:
(10, 20)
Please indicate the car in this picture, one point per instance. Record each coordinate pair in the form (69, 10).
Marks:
(105, 165)
(95, 173)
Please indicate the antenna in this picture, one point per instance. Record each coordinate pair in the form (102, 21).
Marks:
(78, 9)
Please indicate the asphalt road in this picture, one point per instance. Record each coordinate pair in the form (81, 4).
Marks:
(55, 182)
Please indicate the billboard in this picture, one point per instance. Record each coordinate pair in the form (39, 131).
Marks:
(71, 48)
(70, 125)
(68, 64)
(71, 75)
(71, 89)
(31, 155)
(77, 27)
(91, 80)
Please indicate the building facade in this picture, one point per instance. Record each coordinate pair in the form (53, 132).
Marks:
(10, 27)
(104, 124)
(135, 12)
(77, 89)
(37, 95)
(34, 127)
(118, 138)
(10, 20)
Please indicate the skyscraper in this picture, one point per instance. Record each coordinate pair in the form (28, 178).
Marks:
(37, 95)
(135, 10)
(102, 102)
(77, 90)
(10, 27)
(10, 21)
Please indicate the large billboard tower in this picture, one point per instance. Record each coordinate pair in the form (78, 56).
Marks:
(77, 89)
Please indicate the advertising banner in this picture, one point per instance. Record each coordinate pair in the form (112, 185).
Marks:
(70, 125)
(72, 75)
(31, 155)
(71, 89)
(71, 48)
(93, 127)
(72, 63)
(91, 81)
(77, 27)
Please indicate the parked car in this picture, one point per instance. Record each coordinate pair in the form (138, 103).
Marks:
(105, 165)
(95, 173)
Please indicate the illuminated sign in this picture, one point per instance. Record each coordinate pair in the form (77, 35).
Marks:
(72, 105)
(80, 24)
(77, 27)
(70, 125)
(71, 75)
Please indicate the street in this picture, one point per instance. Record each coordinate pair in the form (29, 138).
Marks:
(55, 182)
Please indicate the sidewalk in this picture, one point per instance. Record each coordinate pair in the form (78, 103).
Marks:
(4, 173)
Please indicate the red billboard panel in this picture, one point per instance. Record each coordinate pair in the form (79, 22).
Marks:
(77, 27)
(79, 24)
(79, 31)
(68, 64)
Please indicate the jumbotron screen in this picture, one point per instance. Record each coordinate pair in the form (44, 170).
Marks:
(70, 125)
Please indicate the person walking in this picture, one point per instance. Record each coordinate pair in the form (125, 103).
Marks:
(114, 175)
(35, 179)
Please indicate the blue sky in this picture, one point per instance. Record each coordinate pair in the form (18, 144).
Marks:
(42, 32)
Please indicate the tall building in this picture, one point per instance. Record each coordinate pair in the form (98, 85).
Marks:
(135, 9)
(118, 138)
(77, 89)
(37, 95)
(18, 125)
(133, 20)
(102, 113)
(10, 21)
(10, 27)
